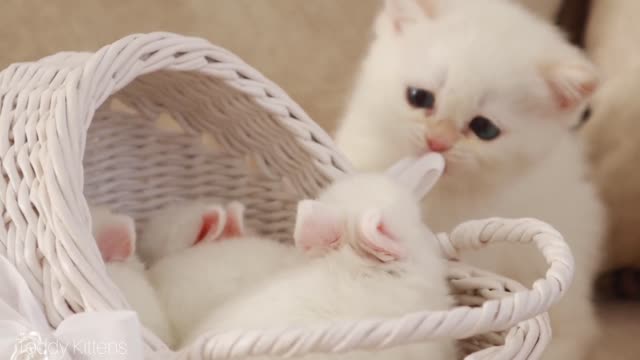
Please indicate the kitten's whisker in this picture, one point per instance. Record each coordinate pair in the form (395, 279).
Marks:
(415, 138)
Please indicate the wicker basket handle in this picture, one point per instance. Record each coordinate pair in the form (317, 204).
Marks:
(477, 234)
(458, 323)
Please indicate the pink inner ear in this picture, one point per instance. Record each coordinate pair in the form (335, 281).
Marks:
(211, 225)
(234, 226)
(115, 243)
(570, 84)
(567, 100)
(232, 229)
(318, 227)
(376, 240)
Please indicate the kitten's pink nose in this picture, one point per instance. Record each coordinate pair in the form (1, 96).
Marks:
(438, 144)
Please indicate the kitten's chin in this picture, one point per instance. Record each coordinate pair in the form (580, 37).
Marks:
(463, 179)
(451, 173)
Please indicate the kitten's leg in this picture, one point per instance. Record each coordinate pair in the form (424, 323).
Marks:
(573, 319)
(574, 324)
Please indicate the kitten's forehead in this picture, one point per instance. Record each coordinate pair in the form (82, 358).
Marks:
(486, 39)
(468, 65)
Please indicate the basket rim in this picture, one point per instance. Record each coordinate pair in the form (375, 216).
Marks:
(91, 78)
(526, 307)
(76, 84)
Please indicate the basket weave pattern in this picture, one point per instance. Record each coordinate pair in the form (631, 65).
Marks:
(78, 127)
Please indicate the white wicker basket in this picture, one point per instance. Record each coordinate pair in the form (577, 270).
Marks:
(85, 126)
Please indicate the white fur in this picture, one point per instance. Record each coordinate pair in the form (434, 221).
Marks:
(547, 9)
(490, 58)
(343, 284)
(193, 278)
(129, 276)
(171, 229)
(192, 282)
(131, 279)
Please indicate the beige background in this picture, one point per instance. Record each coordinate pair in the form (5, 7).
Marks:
(309, 47)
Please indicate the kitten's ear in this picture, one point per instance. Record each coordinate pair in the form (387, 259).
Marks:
(399, 13)
(212, 221)
(375, 239)
(418, 175)
(570, 84)
(234, 225)
(318, 227)
(115, 236)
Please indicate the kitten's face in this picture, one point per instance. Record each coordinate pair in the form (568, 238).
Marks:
(465, 88)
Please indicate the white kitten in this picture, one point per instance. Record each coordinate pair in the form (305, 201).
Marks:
(115, 236)
(371, 256)
(496, 91)
(182, 225)
(208, 272)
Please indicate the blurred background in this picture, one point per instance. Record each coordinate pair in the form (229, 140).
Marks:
(311, 48)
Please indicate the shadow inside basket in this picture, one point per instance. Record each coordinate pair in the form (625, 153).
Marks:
(171, 136)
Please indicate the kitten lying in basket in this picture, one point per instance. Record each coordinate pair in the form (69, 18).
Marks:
(362, 240)
(116, 238)
(368, 255)
(205, 258)
(191, 269)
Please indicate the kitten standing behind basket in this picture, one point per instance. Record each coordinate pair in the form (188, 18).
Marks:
(497, 92)
(370, 256)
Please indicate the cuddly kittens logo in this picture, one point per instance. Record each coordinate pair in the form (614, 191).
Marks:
(33, 346)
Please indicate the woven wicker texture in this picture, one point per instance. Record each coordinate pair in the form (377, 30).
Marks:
(156, 118)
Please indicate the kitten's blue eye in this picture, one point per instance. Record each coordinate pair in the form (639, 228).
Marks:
(484, 128)
(420, 98)
(586, 115)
